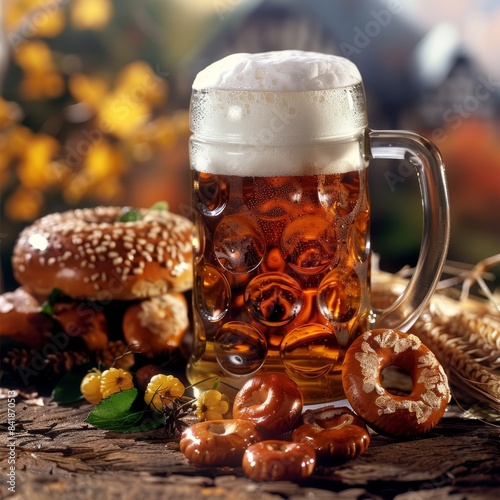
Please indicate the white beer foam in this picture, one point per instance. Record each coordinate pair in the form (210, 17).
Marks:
(278, 71)
(278, 113)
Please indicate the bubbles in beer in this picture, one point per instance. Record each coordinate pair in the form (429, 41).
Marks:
(211, 192)
(240, 348)
(339, 295)
(239, 245)
(308, 244)
(213, 293)
(339, 193)
(273, 299)
(270, 200)
(310, 351)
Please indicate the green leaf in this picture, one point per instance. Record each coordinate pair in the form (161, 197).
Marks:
(160, 205)
(130, 215)
(48, 305)
(67, 391)
(115, 414)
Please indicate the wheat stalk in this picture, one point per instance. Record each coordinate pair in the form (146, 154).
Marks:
(463, 332)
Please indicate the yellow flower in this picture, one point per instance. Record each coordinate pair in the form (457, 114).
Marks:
(103, 161)
(211, 405)
(139, 81)
(91, 14)
(41, 78)
(24, 204)
(88, 89)
(30, 18)
(115, 380)
(34, 169)
(91, 387)
(162, 390)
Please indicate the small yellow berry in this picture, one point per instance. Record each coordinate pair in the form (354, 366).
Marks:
(211, 405)
(91, 387)
(115, 380)
(162, 390)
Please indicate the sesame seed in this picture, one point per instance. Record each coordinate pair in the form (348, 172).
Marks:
(51, 261)
(117, 260)
(94, 277)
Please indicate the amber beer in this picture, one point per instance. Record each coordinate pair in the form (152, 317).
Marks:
(281, 269)
(279, 165)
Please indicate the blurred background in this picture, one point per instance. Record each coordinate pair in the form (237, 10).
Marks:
(95, 93)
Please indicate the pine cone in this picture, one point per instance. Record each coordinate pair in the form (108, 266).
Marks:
(114, 350)
(62, 362)
(22, 367)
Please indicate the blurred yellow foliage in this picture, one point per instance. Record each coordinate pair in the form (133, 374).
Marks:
(109, 119)
(142, 84)
(88, 90)
(34, 168)
(31, 18)
(103, 161)
(125, 109)
(8, 112)
(24, 204)
(41, 77)
(91, 14)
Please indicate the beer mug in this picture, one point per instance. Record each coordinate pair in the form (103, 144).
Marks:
(279, 158)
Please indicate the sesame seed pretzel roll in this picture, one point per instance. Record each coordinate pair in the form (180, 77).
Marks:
(156, 325)
(21, 318)
(93, 254)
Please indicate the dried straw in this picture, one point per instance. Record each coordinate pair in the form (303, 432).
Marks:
(463, 332)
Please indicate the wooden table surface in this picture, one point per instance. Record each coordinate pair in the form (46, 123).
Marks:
(58, 455)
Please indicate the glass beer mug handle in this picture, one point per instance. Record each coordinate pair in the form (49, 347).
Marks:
(428, 164)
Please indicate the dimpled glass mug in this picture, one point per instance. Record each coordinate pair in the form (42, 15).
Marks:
(279, 159)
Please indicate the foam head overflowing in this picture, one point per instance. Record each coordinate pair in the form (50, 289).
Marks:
(275, 102)
(279, 71)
